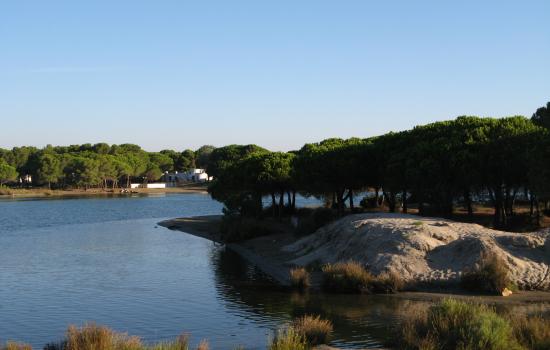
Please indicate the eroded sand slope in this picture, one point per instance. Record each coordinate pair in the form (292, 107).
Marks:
(425, 249)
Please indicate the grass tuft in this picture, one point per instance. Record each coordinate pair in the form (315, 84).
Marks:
(93, 337)
(203, 345)
(490, 275)
(181, 343)
(15, 346)
(345, 277)
(313, 329)
(287, 339)
(299, 278)
(352, 277)
(387, 283)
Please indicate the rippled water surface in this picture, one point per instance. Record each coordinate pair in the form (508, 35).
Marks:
(104, 260)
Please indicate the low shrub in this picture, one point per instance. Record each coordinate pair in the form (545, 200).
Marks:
(313, 329)
(287, 339)
(181, 343)
(15, 346)
(532, 332)
(387, 283)
(203, 345)
(352, 277)
(346, 277)
(453, 324)
(93, 337)
(490, 275)
(299, 278)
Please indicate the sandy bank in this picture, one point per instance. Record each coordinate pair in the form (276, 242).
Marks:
(41, 193)
(207, 226)
(275, 254)
(261, 252)
(423, 249)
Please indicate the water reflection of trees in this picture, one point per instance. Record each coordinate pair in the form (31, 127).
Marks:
(358, 320)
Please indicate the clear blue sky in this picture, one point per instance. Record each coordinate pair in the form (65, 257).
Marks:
(179, 74)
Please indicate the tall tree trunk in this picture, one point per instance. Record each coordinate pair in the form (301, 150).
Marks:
(420, 198)
(390, 199)
(404, 201)
(281, 203)
(377, 197)
(258, 208)
(499, 220)
(293, 200)
(350, 194)
(468, 204)
(273, 204)
(289, 199)
(340, 202)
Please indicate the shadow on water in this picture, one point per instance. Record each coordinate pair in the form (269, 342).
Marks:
(359, 321)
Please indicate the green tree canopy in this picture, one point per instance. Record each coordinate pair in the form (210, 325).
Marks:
(7, 172)
(49, 168)
(202, 155)
(542, 116)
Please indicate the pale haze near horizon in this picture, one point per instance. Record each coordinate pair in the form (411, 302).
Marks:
(177, 75)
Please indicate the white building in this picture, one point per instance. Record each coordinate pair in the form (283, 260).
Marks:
(149, 185)
(191, 175)
(25, 179)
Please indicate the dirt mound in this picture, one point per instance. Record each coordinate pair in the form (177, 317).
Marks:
(425, 249)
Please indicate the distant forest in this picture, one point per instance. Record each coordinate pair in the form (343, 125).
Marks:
(435, 166)
(99, 165)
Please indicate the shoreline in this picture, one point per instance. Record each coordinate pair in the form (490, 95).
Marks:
(45, 193)
(207, 227)
(263, 252)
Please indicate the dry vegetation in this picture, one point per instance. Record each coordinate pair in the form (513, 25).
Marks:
(453, 324)
(352, 277)
(95, 337)
(15, 346)
(287, 339)
(314, 329)
(299, 278)
(301, 334)
(532, 332)
(490, 275)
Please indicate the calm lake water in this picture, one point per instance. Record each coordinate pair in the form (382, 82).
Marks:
(104, 260)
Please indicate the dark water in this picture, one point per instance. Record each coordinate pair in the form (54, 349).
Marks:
(104, 260)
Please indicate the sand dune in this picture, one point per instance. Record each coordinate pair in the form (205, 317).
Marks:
(425, 249)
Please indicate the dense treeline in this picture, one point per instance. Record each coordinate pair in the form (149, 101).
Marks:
(435, 167)
(99, 165)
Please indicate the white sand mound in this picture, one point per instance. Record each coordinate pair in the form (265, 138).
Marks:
(425, 249)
